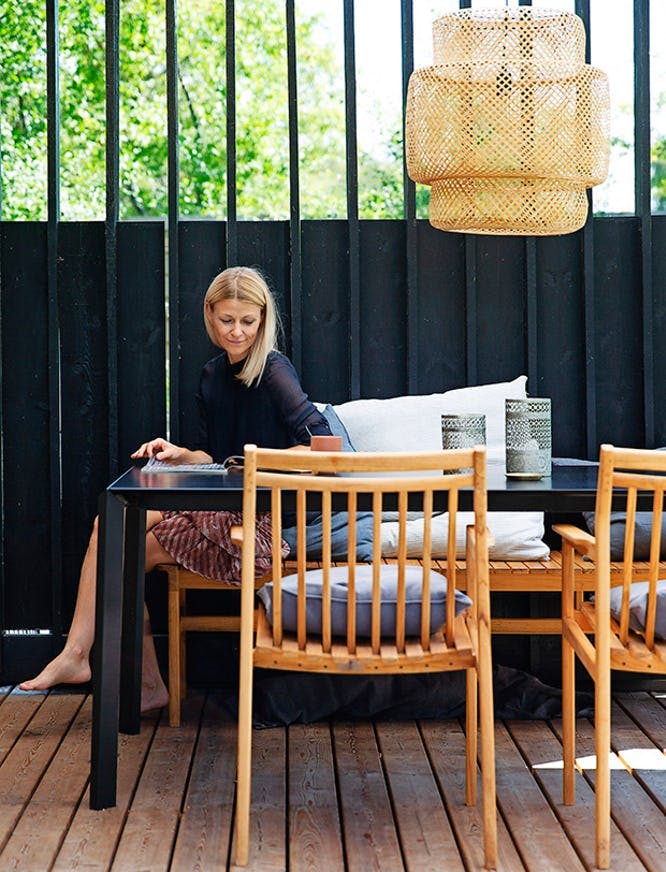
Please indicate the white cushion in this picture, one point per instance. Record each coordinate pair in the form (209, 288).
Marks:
(638, 602)
(515, 535)
(416, 421)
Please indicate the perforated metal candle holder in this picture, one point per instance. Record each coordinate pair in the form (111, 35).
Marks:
(528, 438)
(463, 431)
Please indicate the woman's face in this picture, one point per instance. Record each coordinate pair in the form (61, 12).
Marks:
(235, 325)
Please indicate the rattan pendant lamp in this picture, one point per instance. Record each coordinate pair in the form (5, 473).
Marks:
(509, 126)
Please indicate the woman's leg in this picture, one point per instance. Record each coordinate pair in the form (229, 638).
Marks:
(153, 690)
(72, 665)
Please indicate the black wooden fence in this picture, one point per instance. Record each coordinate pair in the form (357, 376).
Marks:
(92, 365)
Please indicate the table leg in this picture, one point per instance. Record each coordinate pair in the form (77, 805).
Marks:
(106, 654)
(134, 577)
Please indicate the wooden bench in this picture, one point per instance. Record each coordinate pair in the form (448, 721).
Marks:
(541, 576)
(506, 576)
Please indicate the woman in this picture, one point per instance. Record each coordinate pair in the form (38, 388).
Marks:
(249, 393)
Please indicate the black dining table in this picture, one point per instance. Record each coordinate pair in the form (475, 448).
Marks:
(117, 651)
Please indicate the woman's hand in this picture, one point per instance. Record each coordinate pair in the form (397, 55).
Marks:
(160, 449)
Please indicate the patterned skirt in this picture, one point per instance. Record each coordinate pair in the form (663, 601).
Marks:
(201, 542)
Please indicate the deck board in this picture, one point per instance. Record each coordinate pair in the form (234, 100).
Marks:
(633, 810)
(314, 819)
(543, 750)
(206, 822)
(153, 820)
(93, 836)
(521, 802)
(54, 802)
(425, 833)
(445, 742)
(385, 795)
(370, 836)
(24, 766)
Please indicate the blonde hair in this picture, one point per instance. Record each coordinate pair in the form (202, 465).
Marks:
(249, 286)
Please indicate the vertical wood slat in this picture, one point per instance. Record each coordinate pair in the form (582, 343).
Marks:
(295, 270)
(351, 573)
(643, 195)
(471, 314)
(3, 612)
(52, 225)
(352, 202)
(112, 32)
(532, 316)
(232, 223)
(409, 188)
(173, 227)
(587, 261)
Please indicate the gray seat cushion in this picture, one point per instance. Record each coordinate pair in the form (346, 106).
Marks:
(642, 534)
(339, 587)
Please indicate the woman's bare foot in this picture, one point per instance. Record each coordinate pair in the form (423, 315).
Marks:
(154, 694)
(71, 666)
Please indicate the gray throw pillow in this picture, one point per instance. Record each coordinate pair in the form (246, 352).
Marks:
(638, 597)
(337, 427)
(339, 587)
(642, 534)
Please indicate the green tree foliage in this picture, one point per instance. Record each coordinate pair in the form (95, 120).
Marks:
(23, 111)
(262, 139)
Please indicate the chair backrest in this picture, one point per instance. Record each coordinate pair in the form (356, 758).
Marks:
(351, 482)
(628, 471)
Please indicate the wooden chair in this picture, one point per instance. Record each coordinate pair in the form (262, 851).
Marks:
(319, 628)
(590, 632)
(181, 622)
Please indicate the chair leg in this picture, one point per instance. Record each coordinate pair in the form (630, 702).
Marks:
(174, 654)
(183, 649)
(471, 728)
(487, 730)
(244, 773)
(568, 685)
(602, 735)
(568, 722)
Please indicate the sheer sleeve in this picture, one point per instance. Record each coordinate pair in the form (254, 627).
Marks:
(300, 415)
(201, 441)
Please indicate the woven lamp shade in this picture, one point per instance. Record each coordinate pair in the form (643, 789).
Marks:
(509, 126)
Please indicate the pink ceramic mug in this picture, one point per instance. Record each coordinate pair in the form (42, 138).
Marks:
(326, 443)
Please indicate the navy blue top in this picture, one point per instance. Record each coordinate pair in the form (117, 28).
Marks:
(272, 414)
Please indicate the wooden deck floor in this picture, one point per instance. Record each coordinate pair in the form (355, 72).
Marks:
(344, 796)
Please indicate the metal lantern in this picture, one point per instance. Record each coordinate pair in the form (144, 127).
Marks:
(509, 126)
(528, 437)
(463, 431)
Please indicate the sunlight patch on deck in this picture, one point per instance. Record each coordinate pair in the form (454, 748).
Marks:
(644, 758)
(582, 763)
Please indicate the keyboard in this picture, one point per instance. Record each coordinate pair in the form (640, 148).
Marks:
(154, 465)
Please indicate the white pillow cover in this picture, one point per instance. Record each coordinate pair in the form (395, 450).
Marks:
(415, 422)
(515, 536)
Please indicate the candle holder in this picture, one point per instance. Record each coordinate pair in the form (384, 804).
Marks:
(528, 438)
(463, 431)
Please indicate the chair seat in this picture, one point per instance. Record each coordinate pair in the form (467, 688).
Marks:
(441, 657)
(181, 580)
(635, 656)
